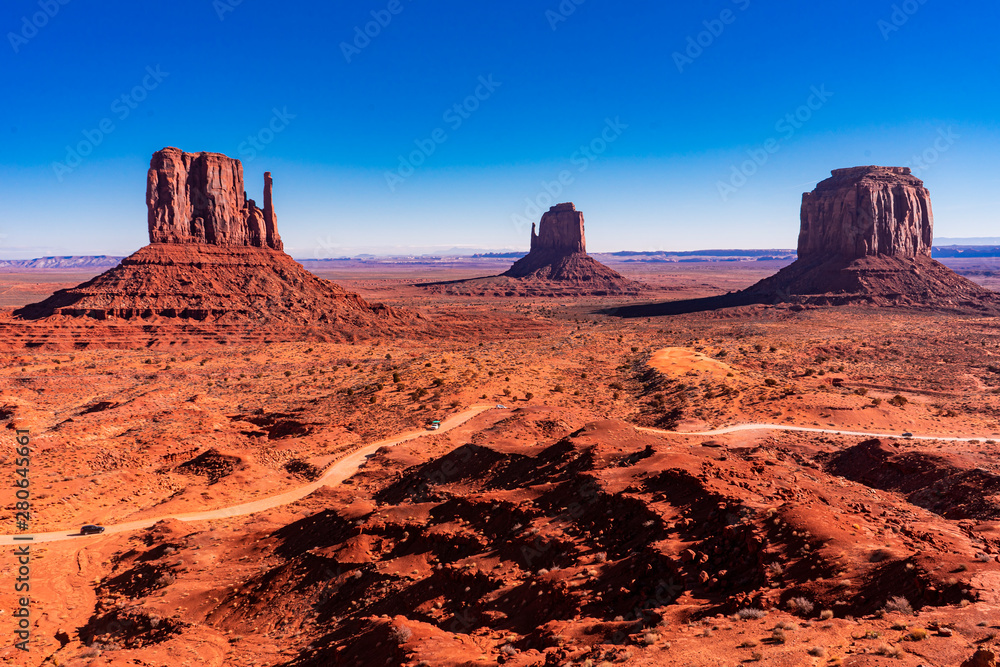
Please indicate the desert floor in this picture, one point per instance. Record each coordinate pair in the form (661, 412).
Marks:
(565, 515)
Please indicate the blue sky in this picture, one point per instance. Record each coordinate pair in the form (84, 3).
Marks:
(648, 115)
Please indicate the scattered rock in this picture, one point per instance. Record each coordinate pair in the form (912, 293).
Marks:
(982, 658)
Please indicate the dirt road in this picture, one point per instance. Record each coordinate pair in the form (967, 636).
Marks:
(335, 474)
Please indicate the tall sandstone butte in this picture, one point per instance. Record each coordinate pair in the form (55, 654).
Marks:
(865, 237)
(215, 257)
(561, 231)
(200, 198)
(867, 211)
(558, 258)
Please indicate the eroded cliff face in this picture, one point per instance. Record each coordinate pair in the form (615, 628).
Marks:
(214, 257)
(558, 262)
(560, 231)
(200, 198)
(867, 211)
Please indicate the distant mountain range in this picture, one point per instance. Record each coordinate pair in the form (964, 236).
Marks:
(978, 240)
(943, 247)
(72, 262)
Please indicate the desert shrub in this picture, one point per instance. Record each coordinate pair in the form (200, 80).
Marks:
(402, 634)
(801, 605)
(918, 634)
(889, 651)
(898, 605)
(826, 614)
(770, 382)
(616, 385)
(558, 389)
(528, 396)
(650, 638)
(778, 636)
(288, 374)
(898, 401)
(751, 613)
(817, 652)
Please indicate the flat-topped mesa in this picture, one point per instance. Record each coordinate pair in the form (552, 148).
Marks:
(867, 211)
(200, 198)
(560, 231)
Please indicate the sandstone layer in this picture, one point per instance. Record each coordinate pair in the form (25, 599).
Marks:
(200, 198)
(209, 283)
(865, 212)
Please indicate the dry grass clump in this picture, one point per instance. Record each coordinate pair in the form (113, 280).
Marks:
(890, 651)
(898, 605)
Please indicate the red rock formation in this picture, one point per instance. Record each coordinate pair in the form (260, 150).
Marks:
(200, 198)
(214, 257)
(561, 231)
(558, 264)
(982, 658)
(866, 236)
(865, 211)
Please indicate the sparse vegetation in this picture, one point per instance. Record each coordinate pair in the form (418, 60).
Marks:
(898, 605)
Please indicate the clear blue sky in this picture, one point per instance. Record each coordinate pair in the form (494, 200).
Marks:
(557, 79)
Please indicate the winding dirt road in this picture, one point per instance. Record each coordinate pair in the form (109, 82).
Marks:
(806, 429)
(335, 474)
(347, 466)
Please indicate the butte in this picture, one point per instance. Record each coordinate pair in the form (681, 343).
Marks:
(557, 264)
(213, 257)
(865, 238)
